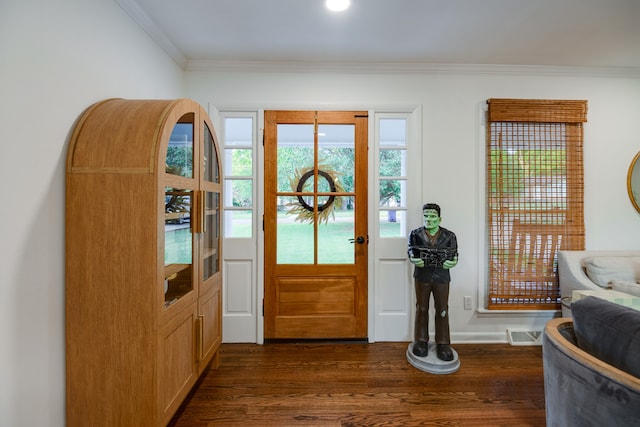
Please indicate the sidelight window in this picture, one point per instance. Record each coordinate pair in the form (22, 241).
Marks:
(392, 176)
(239, 158)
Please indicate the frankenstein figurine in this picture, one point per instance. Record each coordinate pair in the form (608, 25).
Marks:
(433, 250)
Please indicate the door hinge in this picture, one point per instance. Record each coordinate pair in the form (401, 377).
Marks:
(262, 307)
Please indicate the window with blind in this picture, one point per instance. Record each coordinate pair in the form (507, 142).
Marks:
(535, 198)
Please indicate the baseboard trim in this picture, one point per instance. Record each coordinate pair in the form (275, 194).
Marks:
(479, 338)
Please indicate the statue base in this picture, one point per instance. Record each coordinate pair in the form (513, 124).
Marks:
(431, 363)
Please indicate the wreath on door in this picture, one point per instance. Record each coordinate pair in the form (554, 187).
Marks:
(304, 211)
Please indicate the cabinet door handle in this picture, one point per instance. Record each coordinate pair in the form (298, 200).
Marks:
(203, 211)
(198, 225)
(199, 337)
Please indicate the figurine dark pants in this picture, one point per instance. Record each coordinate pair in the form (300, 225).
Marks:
(440, 293)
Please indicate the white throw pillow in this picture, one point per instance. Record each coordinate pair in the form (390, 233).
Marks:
(631, 288)
(604, 270)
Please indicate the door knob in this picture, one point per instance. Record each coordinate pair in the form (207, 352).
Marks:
(359, 240)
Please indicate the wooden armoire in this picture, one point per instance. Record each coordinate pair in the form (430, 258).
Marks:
(143, 251)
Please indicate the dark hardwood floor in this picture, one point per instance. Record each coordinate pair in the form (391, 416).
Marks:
(347, 384)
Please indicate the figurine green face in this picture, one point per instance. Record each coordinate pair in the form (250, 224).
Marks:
(431, 220)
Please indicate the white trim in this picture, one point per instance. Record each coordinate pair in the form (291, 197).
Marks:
(511, 314)
(482, 238)
(412, 67)
(479, 338)
(371, 227)
(132, 8)
(412, 112)
(481, 204)
(259, 209)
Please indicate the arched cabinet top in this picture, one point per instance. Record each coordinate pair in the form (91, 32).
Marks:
(127, 136)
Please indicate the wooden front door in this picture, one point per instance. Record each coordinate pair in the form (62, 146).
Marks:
(315, 224)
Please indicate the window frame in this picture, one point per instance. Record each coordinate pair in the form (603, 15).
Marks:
(401, 209)
(228, 180)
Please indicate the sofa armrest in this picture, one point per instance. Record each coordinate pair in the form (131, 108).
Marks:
(580, 389)
(571, 273)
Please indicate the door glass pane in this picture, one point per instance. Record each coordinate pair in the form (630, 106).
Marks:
(294, 238)
(393, 132)
(335, 174)
(239, 161)
(295, 155)
(179, 159)
(336, 153)
(239, 193)
(211, 235)
(392, 193)
(336, 170)
(238, 223)
(295, 232)
(178, 244)
(334, 245)
(393, 223)
(238, 131)
(393, 162)
(210, 157)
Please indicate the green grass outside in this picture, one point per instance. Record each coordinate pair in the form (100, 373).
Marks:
(295, 243)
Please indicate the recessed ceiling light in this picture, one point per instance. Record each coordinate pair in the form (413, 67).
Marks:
(337, 5)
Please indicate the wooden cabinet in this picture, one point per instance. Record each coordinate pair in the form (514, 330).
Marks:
(143, 278)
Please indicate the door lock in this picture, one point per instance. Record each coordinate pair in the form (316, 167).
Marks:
(359, 240)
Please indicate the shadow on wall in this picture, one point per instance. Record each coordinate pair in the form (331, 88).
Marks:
(37, 357)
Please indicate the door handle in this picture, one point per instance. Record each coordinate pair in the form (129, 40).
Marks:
(359, 240)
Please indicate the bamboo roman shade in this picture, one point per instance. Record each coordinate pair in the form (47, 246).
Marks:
(535, 198)
(537, 110)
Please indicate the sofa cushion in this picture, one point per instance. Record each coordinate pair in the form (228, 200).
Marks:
(602, 270)
(631, 288)
(609, 332)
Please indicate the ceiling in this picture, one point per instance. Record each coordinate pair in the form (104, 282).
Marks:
(388, 34)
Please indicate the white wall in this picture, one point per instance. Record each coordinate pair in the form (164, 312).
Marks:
(453, 141)
(56, 59)
(453, 128)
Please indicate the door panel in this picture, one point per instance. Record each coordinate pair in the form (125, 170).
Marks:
(239, 260)
(315, 225)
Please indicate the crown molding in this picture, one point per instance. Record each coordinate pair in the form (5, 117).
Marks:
(132, 9)
(409, 67)
(143, 20)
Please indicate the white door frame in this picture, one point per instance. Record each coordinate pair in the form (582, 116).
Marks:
(243, 259)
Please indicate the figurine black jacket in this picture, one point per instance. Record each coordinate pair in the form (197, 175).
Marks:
(445, 241)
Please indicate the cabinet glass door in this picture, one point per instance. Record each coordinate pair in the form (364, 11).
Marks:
(180, 150)
(178, 244)
(210, 157)
(211, 235)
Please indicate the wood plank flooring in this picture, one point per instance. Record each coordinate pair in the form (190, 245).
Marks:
(353, 384)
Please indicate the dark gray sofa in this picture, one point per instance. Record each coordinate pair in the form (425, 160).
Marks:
(591, 368)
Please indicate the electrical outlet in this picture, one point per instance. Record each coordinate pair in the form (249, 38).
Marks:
(468, 303)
